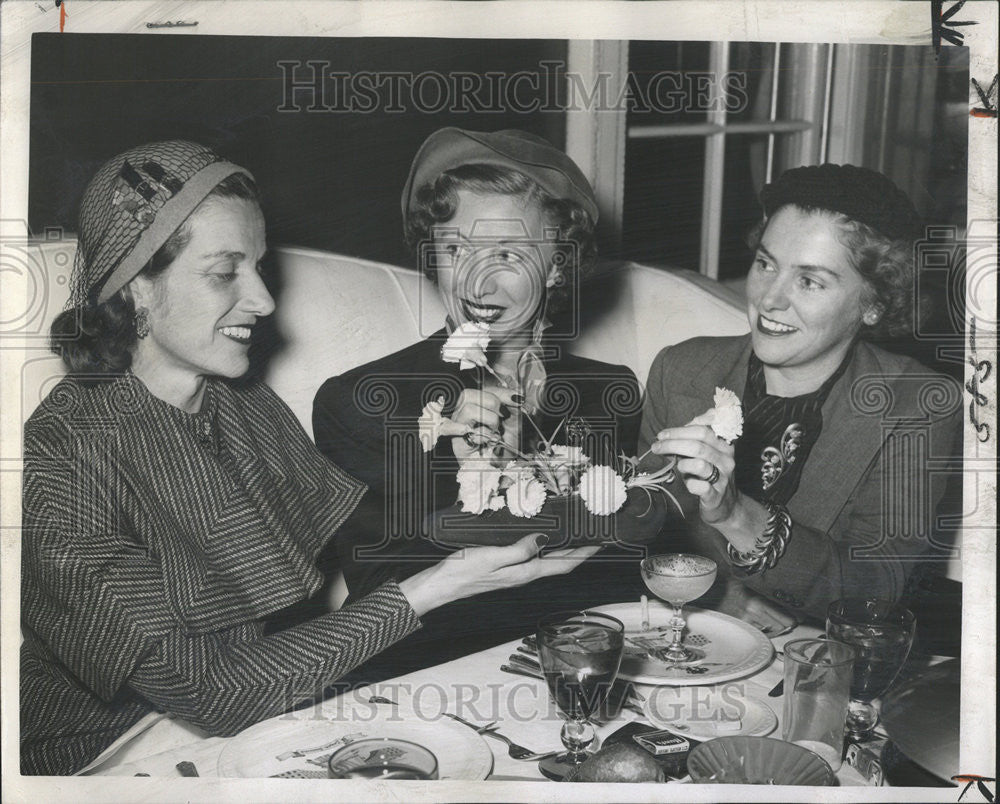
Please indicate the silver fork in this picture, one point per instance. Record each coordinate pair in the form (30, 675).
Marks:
(514, 751)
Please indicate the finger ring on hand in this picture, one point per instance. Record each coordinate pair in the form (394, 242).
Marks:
(714, 476)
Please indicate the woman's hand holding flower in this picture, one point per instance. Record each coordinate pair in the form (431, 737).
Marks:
(700, 452)
(707, 463)
(480, 415)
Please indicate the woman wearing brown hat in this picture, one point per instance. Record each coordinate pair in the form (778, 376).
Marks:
(826, 494)
(168, 510)
(503, 223)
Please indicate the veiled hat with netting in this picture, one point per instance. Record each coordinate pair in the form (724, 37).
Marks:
(132, 206)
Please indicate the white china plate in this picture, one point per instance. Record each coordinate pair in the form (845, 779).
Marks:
(703, 712)
(733, 649)
(269, 748)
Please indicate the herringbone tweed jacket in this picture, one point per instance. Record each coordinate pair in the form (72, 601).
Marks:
(154, 543)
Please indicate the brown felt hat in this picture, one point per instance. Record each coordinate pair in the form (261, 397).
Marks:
(134, 203)
(533, 156)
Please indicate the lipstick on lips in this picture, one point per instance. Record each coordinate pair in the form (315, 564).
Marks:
(481, 313)
(239, 333)
(771, 327)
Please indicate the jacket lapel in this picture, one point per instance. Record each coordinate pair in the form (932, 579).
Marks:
(726, 367)
(848, 443)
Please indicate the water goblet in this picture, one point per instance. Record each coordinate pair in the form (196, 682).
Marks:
(678, 578)
(579, 653)
(882, 632)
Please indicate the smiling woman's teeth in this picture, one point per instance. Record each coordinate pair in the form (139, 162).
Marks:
(241, 334)
(486, 315)
(774, 326)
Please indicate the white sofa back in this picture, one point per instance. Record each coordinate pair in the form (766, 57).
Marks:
(336, 312)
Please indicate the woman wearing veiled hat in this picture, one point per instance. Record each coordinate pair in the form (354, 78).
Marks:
(827, 493)
(169, 510)
(503, 223)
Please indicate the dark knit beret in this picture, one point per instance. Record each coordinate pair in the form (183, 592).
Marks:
(861, 194)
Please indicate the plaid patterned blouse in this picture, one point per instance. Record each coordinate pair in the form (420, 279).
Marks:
(154, 542)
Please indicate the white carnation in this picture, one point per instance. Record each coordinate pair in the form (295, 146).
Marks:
(727, 422)
(565, 464)
(526, 496)
(476, 487)
(603, 490)
(467, 345)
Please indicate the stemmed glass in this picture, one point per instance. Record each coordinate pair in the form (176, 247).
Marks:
(579, 653)
(678, 578)
(882, 632)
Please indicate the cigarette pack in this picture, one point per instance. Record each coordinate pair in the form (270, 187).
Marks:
(662, 743)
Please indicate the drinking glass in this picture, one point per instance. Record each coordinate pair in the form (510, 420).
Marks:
(678, 578)
(882, 632)
(579, 653)
(818, 675)
(382, 758)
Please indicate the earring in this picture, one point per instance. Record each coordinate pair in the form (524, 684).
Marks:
(141, 321)
(871, 318)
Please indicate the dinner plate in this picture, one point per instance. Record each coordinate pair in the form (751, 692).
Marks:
(732, 648)
(708, 712)
(298, 745)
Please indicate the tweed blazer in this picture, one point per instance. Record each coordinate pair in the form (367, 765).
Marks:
(366, 421)
(864, 511)
(154, 544)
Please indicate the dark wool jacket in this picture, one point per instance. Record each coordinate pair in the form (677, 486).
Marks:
(864, 511)
(366, 421)
(154, 544)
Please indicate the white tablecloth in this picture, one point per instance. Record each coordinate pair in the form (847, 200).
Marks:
(473, 687)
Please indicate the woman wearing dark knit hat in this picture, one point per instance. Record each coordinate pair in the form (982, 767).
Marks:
(168, 511)
(503, 223)
(822, 496)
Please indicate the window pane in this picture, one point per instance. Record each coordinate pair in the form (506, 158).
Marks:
(751, 65)
(663, 191)
(668, 82)
(746, 157)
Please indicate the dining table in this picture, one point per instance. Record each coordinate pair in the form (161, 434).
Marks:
(473, 688)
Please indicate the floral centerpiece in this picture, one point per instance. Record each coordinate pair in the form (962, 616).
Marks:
(555, 488)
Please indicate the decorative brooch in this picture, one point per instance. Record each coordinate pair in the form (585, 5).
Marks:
(775, 461)
(142, 196)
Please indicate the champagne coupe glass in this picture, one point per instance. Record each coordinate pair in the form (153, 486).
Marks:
(882, 632)
(678, 578)
(579, 653)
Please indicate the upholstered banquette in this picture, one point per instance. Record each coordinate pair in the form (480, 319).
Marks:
(336, 312)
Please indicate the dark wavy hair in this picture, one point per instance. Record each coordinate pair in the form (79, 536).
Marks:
(437, 201)
(98, 338)
(886, 265)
